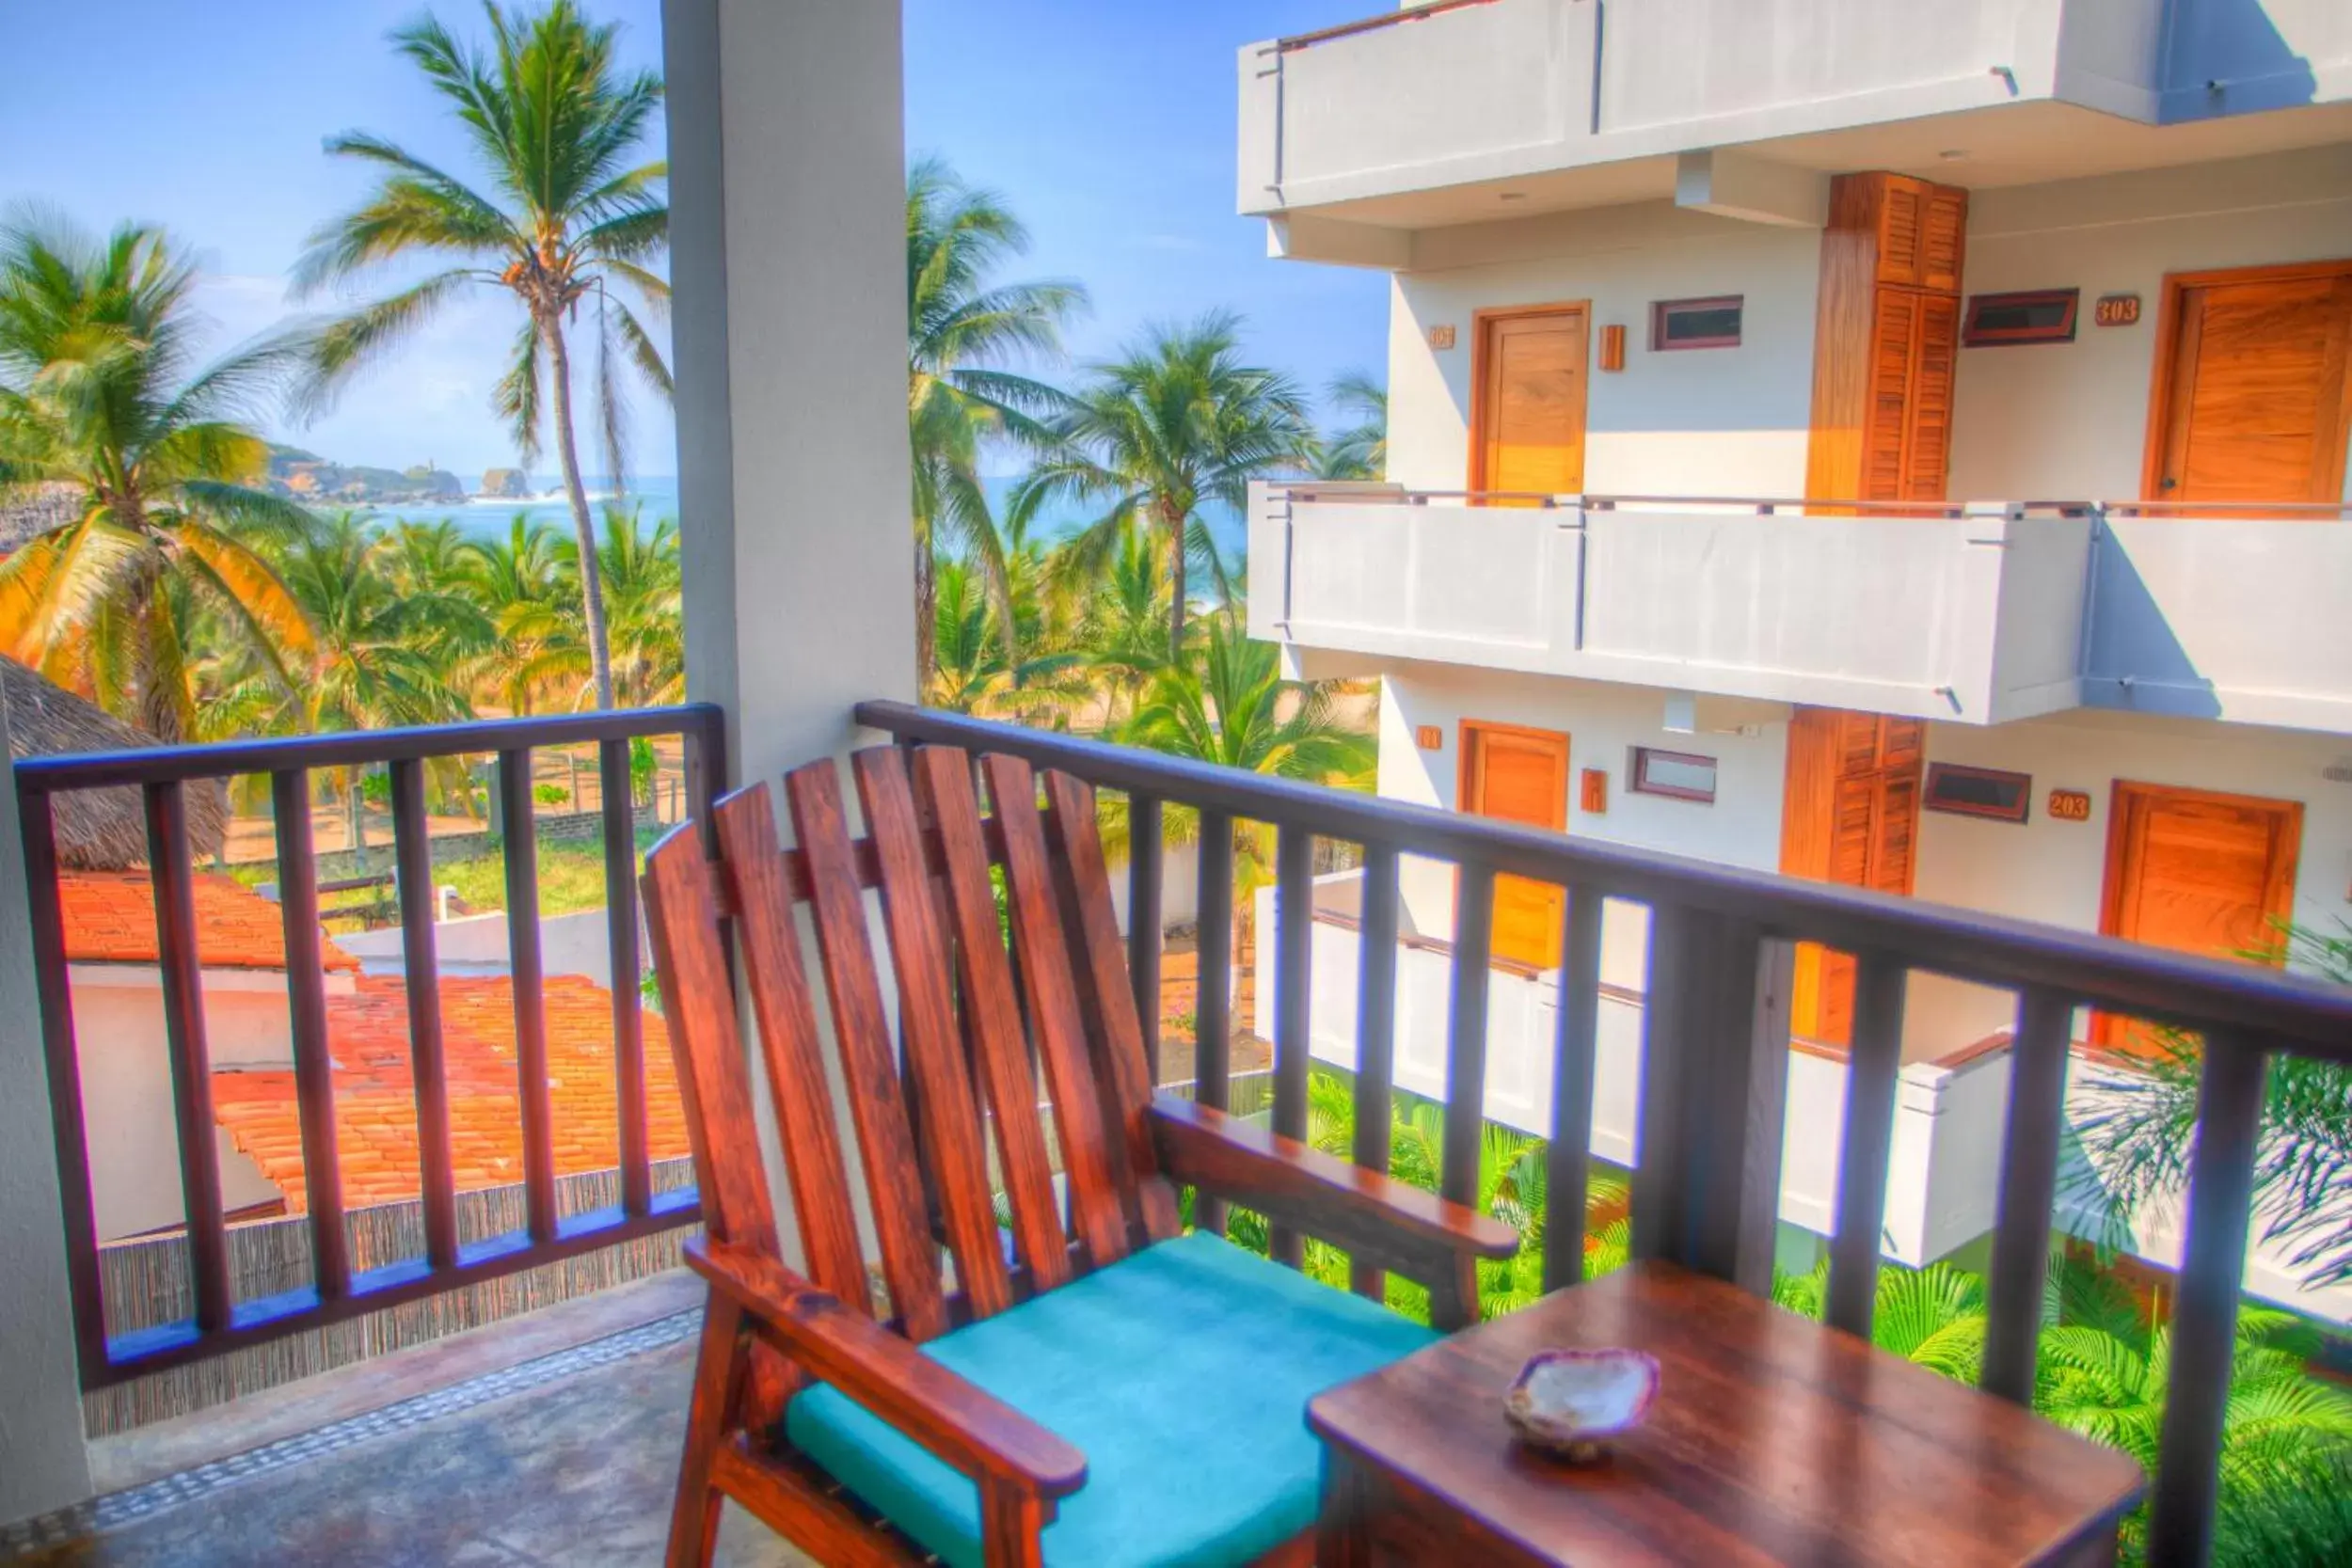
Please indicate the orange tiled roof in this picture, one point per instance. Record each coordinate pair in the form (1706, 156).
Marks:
(375, 1119)
(110, 918)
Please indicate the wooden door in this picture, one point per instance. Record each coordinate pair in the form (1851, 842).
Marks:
(1851, 814)
(1527, 399)
(2197, 872)
(1519, 775)
(2251, 401)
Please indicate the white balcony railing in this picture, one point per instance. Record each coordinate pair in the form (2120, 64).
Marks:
(1971, 612)
(1460, 92)
(1950, 1111)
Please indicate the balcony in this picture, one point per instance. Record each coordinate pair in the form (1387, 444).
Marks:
(1860, 1150)
(1942, 612)
(1971, 613)
(1353, 137)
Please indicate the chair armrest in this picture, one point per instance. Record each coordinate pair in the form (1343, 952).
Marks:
(1391, 1223)
(965, 1425)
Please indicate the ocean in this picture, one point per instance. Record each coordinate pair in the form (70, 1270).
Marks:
(657, 495)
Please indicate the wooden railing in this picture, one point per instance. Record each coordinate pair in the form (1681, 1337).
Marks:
(1715, 1054)
(219, 1323)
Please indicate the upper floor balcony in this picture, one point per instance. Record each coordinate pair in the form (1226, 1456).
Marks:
(1974, 614)
(1466, 111)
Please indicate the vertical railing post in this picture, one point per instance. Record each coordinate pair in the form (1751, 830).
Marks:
(2028, 1187)
(37, 826)
(1144, 920)
(1465, 1035)
(518, 812)
(1213, 1000)
(1567, 1176)
(182, 967)
(1873, 1069)
(412, 858)
(1376, 1036)
(1714, 1088)
(1293, 934)
(306, 1008)
(628, 1025)
(2205, 1304)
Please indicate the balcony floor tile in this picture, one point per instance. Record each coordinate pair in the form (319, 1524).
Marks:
(568, 1458)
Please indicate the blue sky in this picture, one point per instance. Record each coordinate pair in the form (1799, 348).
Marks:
(1107, 126)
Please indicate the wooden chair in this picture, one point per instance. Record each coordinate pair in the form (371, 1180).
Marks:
(1139, 1389)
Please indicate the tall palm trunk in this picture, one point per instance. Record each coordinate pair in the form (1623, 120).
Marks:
(568, 450)
(1172, 519)
(926, 614)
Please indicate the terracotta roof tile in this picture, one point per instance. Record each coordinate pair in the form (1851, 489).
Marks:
(110, 918)
(375, 1124)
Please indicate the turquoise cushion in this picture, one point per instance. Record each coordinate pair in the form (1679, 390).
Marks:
(1182, 1372)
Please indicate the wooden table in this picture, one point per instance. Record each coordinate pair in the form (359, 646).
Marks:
(1773, 1440)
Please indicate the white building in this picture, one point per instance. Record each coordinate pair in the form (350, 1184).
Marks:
(1893, 442)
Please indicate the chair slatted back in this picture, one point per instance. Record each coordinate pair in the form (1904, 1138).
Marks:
(965, 1071)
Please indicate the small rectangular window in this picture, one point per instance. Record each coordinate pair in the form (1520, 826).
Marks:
(1676, 775)
(2037, 316)
(1696, 323)
(1979, 792)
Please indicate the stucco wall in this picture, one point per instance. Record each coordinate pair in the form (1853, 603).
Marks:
(1700, 423)
(42, 1462)
(1604, 723)
(2043, 870)
(2070, 420)
(2035, 421)
(126, 1087)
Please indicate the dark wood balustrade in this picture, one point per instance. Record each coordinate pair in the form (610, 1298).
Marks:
(1705, 1192)
(218, 1322)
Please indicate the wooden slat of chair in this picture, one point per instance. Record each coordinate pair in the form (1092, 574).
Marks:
(1096, 1209)
(1108, 1001)
(736, 1384)
(760, 879)
(953, 1138)
(868, 1064)
(991, 1013)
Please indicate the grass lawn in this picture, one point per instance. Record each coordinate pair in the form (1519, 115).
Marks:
(571, 879)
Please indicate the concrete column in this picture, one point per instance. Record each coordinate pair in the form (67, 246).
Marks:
(788, 241)
(43, 1464)
(788, 257)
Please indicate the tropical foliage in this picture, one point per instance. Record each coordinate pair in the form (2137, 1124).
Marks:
(2286, 1438)
(569, 222)
(99, 394)
(2137, 1140)
(965, 331)
(1180, 422)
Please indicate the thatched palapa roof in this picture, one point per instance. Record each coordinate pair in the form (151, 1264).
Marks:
(97, 830)
(35, 510)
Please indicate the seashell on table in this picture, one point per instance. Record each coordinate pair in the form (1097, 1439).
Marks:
(1574, 1402)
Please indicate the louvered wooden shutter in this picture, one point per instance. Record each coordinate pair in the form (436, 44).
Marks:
(1943, 225)
(1901, 222)
(1927, 444)
(1887, 434)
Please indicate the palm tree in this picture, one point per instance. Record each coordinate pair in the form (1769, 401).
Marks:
(970, 672)
(963, 330)
(1359, 451)
(1179, 422)
(384, 644)
(2143, 1124)
(517, 582)
(97, 392)
(569, 220)
(1228, 703)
